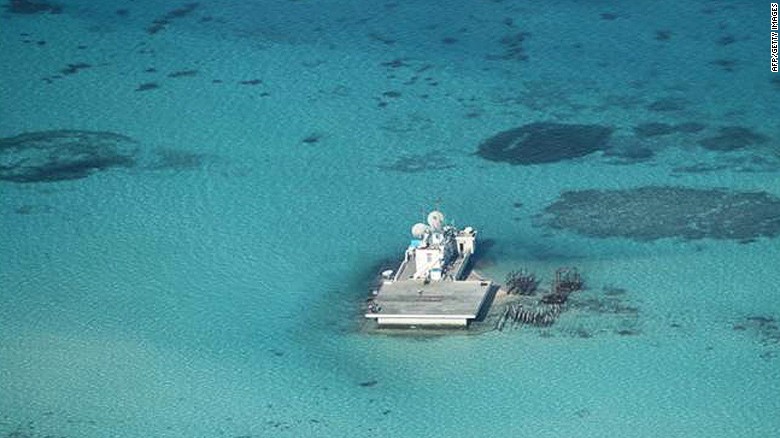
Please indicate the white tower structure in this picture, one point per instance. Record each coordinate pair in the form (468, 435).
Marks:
(439, 250)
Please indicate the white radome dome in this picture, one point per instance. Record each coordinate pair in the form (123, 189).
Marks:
(436, 219)
(419, 230)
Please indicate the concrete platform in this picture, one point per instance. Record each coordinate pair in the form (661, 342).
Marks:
(438, 303)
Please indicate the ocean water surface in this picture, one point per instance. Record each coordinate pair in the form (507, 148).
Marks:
(195, 196)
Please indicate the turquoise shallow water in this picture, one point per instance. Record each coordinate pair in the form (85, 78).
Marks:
(214, 288)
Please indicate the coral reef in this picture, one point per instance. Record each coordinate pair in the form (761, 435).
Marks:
(182, 73)
(728, 65)
(175, 159)
(72, 69)
(653, 129)
(312, 138)
(434, 160)
(62, 155)
(629, 150)
(732, 138)
(766, 331)
(29, 7)
(49, 156)
(544, 142)
(160, 23)
(147, 86)
(668, 104)
(512, 48)
(650, 213)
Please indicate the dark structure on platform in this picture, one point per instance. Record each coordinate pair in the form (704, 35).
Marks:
(521, 282)
(567, 280)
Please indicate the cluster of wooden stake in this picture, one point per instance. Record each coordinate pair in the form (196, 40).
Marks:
(543, 312)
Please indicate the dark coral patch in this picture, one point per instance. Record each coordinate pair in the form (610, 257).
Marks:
(435, 160)
(607, 305)
(29, 7)
(690, 127)
(395, 63)
(728, 65)
(629, 153)
(182, 11)
(663, 35)
(731, 138)
(24, 209)
(668, 104)
(381, 38)
(736, 163)
(765, 329)
(312, 138)
(613, 291)
(156, 26)
(700, 168)
(613, 311)
(627, 332)
(28, 209)
(513, 48)
(49, 156)
(72, 69)
(147, 86)
(175, 159)
(653, 129)
(161, 22)
(63, 155)
(650, 213)
(544, 142)
(183, 74)
(726, 40)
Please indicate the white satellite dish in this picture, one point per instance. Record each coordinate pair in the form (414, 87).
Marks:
(436, 219)
(419, 230)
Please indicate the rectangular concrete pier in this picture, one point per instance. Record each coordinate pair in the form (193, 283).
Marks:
(439, 303)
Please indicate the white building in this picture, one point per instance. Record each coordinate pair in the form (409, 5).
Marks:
(430, 286)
